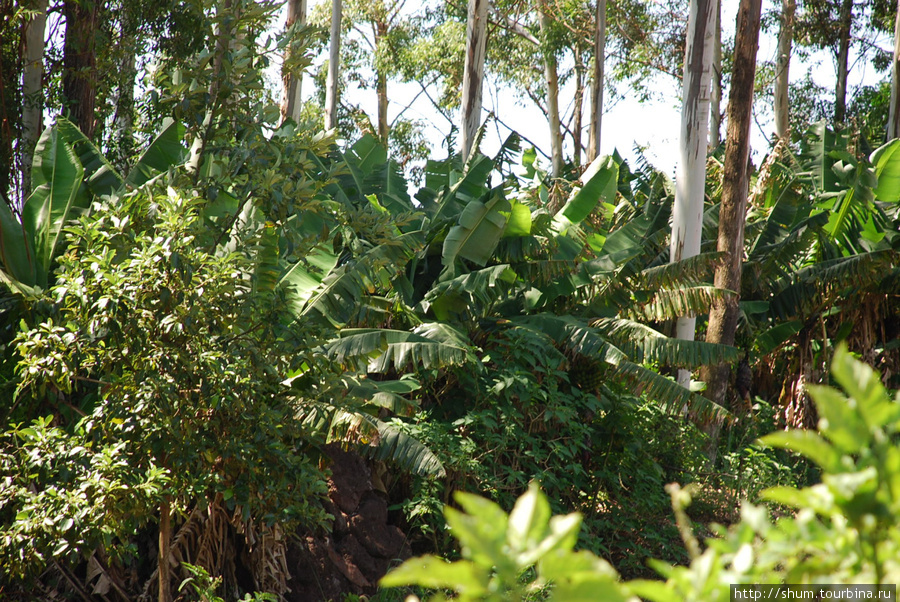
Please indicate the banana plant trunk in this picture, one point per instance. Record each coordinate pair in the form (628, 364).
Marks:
(291, 102)
(32, 90)
(551, 77)
(723, 317)
(597, 81)
(332, 85)
(894, 113)
(690, 180)
(473, 77)
(782, 68)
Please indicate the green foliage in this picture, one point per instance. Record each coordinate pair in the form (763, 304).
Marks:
(844, 529)
(499, 549)
(176, 368)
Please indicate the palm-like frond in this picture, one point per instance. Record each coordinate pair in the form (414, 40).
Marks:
(378, 350)
(471, 294)
(691, 271)
(671, 303)
(345, 287)
(820, 283)
(645, 344)
(668, 393)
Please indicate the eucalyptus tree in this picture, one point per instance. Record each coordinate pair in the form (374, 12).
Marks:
(473, 78)
(292, 77)
(332, 84)
(597, 81)
(782, 68)
(690, 180)
(893, 128)
(723, 316)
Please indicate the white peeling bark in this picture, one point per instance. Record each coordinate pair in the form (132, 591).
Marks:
(597, 81)
(690, 179)
(332, 85)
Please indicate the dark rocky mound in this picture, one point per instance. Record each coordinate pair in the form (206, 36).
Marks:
(362, 544)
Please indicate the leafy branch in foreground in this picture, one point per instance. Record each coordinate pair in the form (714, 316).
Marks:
(845, 530)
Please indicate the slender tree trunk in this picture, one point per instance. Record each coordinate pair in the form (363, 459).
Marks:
(32, 91)
(597, 81)
(715, 101)
(124, 117)
(690, 180)
(165, 544)
(381, 29)
(893, 129)
(551, 77)
(80, 62)
(291, 101)
(579, 106)
(723, 316)
(332, 85)
(843, 63)
(473, 76)
(782, 68)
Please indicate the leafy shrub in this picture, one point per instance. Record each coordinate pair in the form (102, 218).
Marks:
(845, 530)
(172, 366)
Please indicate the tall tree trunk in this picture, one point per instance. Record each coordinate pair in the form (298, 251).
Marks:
(551, 77)
(32, 91)
(782, 68)
(597, 81)
(80, 62)
(723, 316)
(473, 76)
(579, 106)
(715, 101)
(291, 101)
(845, 24)
(690, 180)
(381, 29)
(165, 544)
(893, 128)
(332, 85)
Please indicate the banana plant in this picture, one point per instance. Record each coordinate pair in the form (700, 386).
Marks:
(68, 173)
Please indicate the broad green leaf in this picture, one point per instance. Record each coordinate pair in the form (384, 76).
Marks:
(864, 385)
(478, 230)
(599, 180)
(406, 452)
(47, 210)
(529, 519)
(519, 222)
(301, 279)
(886, 160)
(165, 151)
(840, 420)
(434, 572)
(16, 254)
(808, 444)
(481, 532)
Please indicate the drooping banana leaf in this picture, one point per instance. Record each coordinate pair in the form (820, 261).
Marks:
(886, 161)
(644, 344)
(599, 185)
(667, 304)
(347, 285)
(49, 206)
(470, 294)
(383, 349)
(478, 230)
(166, 150)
